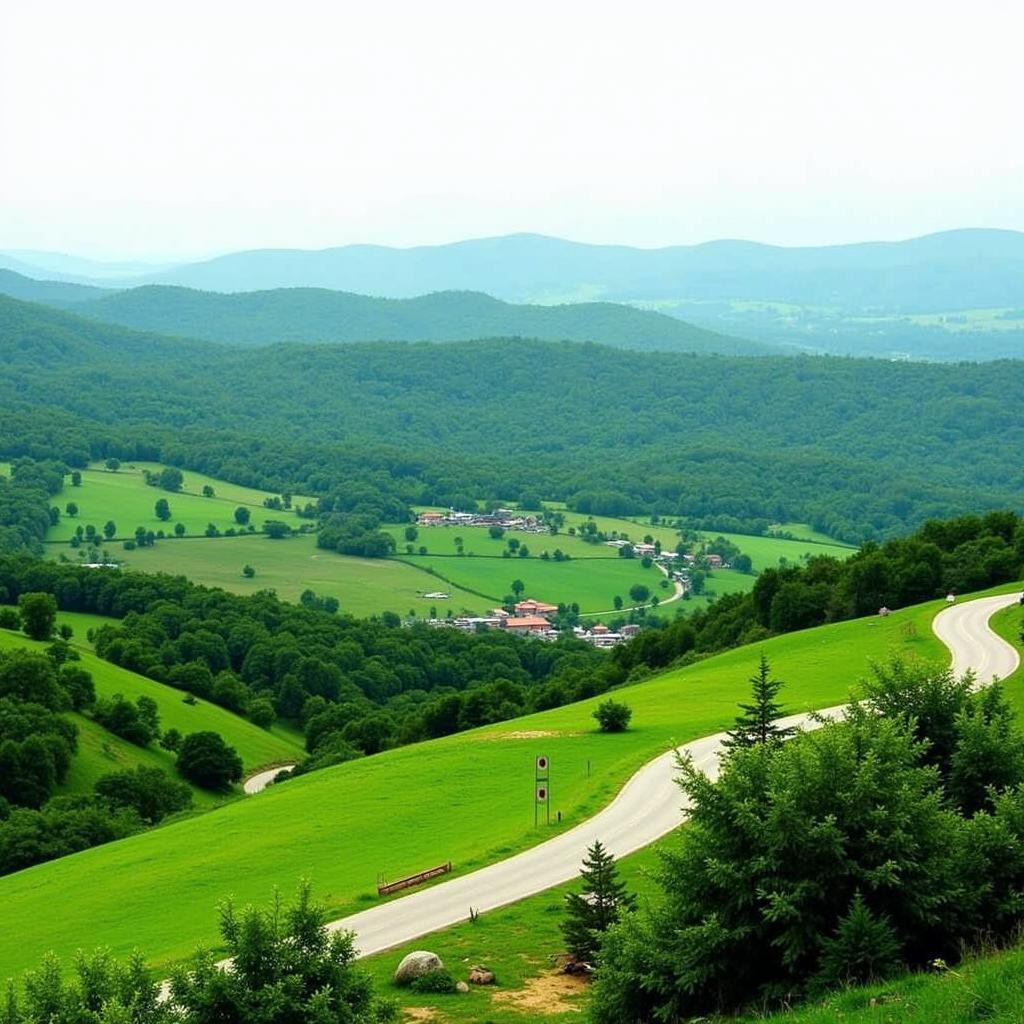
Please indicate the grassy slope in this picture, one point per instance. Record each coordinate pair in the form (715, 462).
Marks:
(518, 942)
(342, 826)
(256, 746)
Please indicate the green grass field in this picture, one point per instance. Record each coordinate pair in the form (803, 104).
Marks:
(124, 498)
(342, 826)
(592, 583)
(364, 586)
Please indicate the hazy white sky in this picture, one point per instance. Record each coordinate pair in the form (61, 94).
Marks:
(132, 128)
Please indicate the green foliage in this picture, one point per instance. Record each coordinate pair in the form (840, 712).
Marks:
(139, 723)
(205, 759)
(612, 716)
(592, 911)
(838, 856)
(38, 615)
(286, 968)
(439, 982)
(151, 793)
(759, 722)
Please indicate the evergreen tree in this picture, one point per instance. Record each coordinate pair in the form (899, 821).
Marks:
(758, 723)
(591, 912)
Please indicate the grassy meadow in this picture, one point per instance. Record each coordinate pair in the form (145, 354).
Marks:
(124, 498)
(364, 586)
(342, 826)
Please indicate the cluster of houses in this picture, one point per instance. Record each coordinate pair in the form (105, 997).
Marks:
(533, 618)
(504, 517)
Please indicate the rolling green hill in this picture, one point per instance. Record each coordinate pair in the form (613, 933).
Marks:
(257, 747)
(344, 825)
(319, 315)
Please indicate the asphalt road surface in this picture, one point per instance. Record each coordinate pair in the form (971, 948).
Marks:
(647, 807)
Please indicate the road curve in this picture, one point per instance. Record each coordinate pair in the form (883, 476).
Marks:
(646, 808)
(259, 782)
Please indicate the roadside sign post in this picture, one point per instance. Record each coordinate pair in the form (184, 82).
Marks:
(541, 789)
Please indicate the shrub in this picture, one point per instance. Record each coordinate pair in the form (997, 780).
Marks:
(613, 716)
(438, 982)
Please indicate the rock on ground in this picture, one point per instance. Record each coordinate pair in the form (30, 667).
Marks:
(415, 964)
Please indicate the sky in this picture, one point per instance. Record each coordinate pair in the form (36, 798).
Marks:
(165, 130)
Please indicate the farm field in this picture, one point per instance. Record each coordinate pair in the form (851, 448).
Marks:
(364, 586)
(124, 498)
(257, 747)
(440, 540)
(592, 583)
(343, 826)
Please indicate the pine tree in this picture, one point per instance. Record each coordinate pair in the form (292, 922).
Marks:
(757, 725)
(591, 912)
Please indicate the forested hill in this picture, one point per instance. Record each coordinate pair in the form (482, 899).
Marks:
(320, 315)
(949, 270)
(860, 448)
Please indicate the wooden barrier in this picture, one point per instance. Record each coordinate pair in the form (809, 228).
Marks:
(385, 888)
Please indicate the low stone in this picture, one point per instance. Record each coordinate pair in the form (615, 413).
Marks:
(416, 964)
(481, 976)
(461, 986)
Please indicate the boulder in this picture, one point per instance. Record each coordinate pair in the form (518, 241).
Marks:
(481, 976)
(415, 964)
(461, 986)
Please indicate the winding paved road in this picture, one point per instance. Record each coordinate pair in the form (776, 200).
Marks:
(647, 807)
(259, 782)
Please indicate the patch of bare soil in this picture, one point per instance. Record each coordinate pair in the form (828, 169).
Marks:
(423, 1014)
(546, 993)
(528, 734)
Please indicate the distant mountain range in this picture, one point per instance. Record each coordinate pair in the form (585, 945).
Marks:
(319, 315)
(961, 269)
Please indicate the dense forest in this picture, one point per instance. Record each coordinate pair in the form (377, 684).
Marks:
(861, 449)
(319, 315)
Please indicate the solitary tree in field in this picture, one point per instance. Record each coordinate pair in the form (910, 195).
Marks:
(71, 508)
(162, 510)
(171, 479)
(518, 586)
(242, 515)
(38, 615)
(590, 913)
(617, 602)
(207, 491)
(76, 479)
(759, 722)
(248, 572)
(109, 529)
(113, 465)
(411, 533)
(638, 593)
(179, 529)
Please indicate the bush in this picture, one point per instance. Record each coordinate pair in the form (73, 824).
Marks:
(613, 716)
(148, 791)
(9, 619)
(205, 759)
(438, 982)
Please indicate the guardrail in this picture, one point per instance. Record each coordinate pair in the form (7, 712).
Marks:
(386, 888)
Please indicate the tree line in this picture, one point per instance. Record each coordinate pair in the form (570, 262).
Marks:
(862, 449)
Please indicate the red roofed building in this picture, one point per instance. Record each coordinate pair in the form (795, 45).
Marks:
(527, 624)
(531, 607)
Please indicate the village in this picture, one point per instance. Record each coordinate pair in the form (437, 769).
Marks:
(534, 618)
